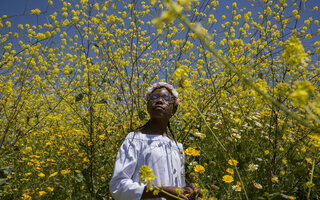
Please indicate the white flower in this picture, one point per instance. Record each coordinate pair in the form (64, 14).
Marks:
(257, 185)
(175, 93)
(235, 136)
(149, 90)
(236, 188)
(258, 124)
(193, 163)
(253, 167)
(200, 135)
(162, 83)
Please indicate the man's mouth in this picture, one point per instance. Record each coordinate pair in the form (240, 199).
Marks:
(158, 107)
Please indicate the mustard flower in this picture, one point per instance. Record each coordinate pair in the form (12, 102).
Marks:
(146, 173)
(35, 12)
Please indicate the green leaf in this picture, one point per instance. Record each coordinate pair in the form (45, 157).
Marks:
(79, 97)
(2, 181)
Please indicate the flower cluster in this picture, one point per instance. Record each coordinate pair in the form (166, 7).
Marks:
(192, 152)
(147, 176)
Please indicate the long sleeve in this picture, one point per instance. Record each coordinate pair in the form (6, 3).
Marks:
(122, 187)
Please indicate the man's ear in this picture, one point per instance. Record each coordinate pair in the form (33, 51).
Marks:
(174, 110)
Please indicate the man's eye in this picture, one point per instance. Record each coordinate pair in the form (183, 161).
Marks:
(166, 98)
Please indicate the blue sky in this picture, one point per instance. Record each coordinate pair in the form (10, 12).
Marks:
(20, 9)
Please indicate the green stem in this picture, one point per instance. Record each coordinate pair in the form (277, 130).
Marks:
(167, 193)
(311, 177)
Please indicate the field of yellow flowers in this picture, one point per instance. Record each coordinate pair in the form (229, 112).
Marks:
(72, 83)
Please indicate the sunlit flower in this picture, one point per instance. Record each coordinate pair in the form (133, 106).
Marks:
(233, 162)
(35, 11)
(199, 168)
(227, 179)
(41, 193)
(192, 152)
(230, 171)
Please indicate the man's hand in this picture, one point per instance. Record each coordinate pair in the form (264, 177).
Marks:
(191, 191)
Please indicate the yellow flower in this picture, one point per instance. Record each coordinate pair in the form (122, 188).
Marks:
(8, 24)
(302, 91)
(212, 164)
(146, 174)
(192, 152)
(266, 152)
(192, 175)
(179, 191)
(284, 161)
(41, 36)
(49, 189)
(41, 193)
(64, 172)
(27, 174)
(35, 12)
(230, 171)
(26, 197)
(53, 174)
(274, 179)
(41, 175)
(199, 168)
(291, 197)
(309, 184)
(227, 178)
(233, 162)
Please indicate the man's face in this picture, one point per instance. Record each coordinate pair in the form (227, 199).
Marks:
(161, 104)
